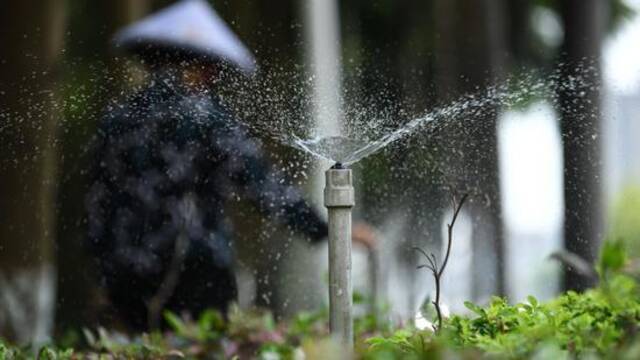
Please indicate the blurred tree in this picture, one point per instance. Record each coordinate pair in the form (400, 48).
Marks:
(388, 70)
(284, 270)
(471, 54)
(32, 39)
(579, 107)
(395, 50)
(519, 30)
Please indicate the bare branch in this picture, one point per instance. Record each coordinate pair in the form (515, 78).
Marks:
(456, 212)
(421, 251)
(433, 263)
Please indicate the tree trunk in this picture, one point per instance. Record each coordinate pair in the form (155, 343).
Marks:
(580, 130)
(470, 55)
(519, 34)
(32, 37)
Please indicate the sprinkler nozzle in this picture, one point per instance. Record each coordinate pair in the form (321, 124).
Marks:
(337, 165)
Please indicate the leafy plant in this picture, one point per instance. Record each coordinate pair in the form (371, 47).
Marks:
(600, 323)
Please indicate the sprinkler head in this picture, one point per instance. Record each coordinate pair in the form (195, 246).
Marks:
(337, 165)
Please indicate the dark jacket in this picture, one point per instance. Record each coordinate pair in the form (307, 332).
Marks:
(166, 161)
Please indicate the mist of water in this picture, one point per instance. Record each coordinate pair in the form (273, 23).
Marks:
(357, 144)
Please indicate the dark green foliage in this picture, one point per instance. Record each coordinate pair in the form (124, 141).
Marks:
(600, 323)
(589, 323)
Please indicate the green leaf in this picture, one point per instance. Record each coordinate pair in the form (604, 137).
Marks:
(176, 324)
(46, 353)
(613, 256)
(211, 320)
(475, 308)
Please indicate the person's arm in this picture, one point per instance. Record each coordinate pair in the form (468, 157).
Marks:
(249, 169)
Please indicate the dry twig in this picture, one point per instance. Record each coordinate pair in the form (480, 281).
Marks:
(432, 262)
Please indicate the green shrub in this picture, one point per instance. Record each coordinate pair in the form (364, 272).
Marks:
(600, 323)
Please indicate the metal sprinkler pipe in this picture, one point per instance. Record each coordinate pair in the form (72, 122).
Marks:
(339, 199)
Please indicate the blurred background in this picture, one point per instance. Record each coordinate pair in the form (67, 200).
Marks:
(550, 174)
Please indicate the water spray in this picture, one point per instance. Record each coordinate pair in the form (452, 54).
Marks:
(339, 199)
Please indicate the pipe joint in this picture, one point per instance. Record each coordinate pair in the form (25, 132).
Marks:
(338, 192)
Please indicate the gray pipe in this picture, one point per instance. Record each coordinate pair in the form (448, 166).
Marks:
(339, 199)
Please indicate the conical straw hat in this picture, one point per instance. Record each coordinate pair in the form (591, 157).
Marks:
(190, 27)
